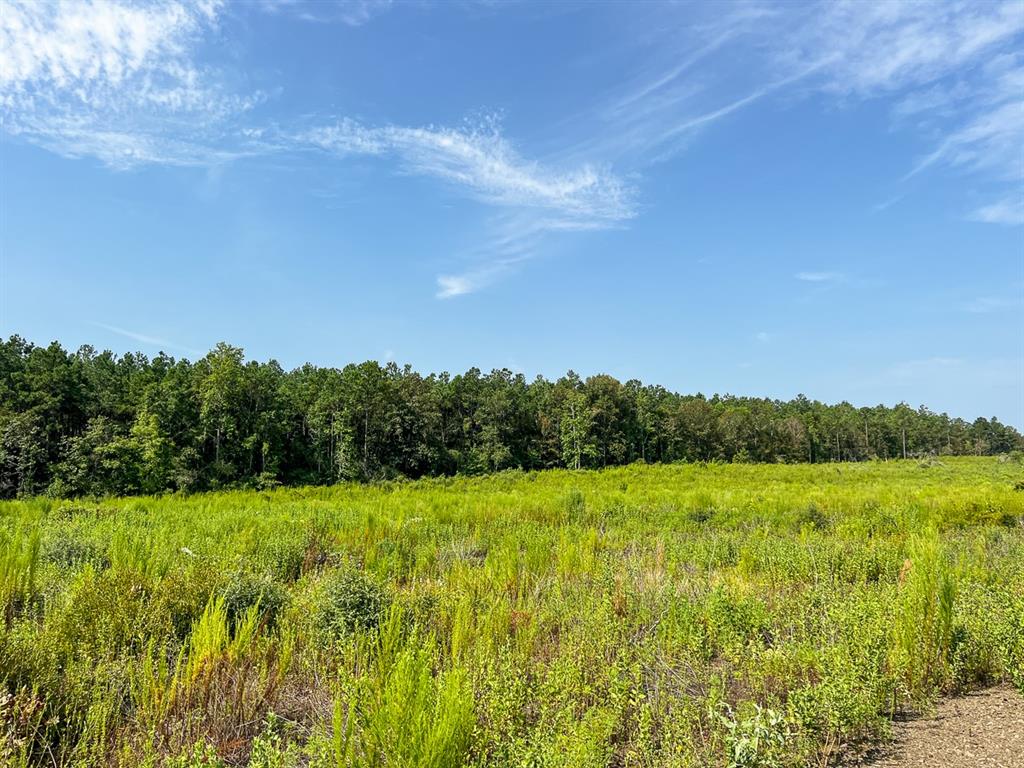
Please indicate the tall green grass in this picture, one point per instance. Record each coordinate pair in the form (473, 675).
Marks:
(19, 558)
(695, 615)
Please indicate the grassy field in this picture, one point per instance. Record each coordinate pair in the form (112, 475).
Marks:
(721, 615)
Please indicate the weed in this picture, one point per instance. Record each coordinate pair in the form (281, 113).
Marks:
(698, 614)
(349, 601)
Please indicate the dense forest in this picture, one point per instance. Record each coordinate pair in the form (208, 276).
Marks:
(82, 423)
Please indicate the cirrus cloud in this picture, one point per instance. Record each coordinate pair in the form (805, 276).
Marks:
(117, 81)
(479, 158)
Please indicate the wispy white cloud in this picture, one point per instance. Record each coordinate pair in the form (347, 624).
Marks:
(820, 277)
(120, 82)
(115, 80)
(127, 147)
(990, 304)
(509, 240)
(450, 286)
(883, 47)
(952, 69)
(699, 121)
(955, 68)
(692, 123)
(990, 141)
(1007, 211)
(938, 100)
(151, 341)
(478, 158)
(88, 48)
(538, 200)
(663, 84)
(354, 13)
(656, 110)
(888, 203)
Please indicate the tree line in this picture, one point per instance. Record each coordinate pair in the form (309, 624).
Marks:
(94, 423)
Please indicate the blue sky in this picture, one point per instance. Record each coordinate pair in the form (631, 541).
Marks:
(751, 198)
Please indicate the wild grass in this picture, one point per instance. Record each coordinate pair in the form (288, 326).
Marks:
(693, 615)
(19, 558)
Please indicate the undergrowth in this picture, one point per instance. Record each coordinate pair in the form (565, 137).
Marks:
(700, 615)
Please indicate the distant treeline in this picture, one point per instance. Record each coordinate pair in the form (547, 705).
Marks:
(74, 423)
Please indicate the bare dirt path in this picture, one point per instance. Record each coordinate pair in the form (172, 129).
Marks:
(980, 730)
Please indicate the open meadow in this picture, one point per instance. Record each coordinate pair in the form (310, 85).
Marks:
(679, 615)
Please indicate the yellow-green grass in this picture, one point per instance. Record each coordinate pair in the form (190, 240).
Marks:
(693, 615)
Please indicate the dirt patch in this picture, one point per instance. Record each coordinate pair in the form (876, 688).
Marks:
(980, 730)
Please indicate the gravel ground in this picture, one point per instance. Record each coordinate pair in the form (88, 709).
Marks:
(980, 730)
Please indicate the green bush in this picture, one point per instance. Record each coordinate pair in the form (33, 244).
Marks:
(67, 548)
(244, 591)
(757, 739)
(349, 601)
(812, 516)
(1010, 634)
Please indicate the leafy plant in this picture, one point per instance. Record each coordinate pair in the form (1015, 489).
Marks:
(757, 740)
(245, 591)
(349, 601)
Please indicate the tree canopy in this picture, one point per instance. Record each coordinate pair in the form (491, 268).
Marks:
(94, 423)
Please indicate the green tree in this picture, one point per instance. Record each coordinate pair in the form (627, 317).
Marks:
(577, 425)
(220, 391)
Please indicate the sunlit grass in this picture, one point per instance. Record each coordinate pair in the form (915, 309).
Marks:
(693, 615)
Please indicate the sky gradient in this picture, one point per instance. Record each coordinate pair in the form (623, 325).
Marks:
(751, 198)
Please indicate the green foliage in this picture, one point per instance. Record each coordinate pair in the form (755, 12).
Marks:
(923, 627)
(349, 601)
(693, 614)
(202, 755)
(92, 424)
(1010, 633)
(403, 714)
(757, 740)
(19, 557)
(245, 592)
(275, 747)
(67, 548)
(579, 448)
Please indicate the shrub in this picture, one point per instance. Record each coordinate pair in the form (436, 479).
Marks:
(349, 601)
(201, 755)
(813, 517)
(244, 591)
(275, 747)
(68, 548)
(701, 514)
(282, 556)
(1010, 634)
(757, 740)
